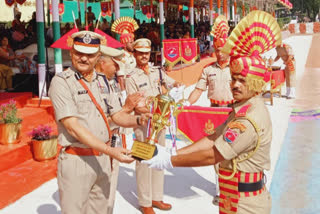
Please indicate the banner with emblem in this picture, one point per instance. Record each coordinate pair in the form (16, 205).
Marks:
(21, 2)
(106, 9)
(196, 122)
(188, 50)
(171, 51)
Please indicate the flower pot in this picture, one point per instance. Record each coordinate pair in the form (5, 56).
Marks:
(10, 133)
(45, 149)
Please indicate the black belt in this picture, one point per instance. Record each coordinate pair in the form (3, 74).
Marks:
(250, 187)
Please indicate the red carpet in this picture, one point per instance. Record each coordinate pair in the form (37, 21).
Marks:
(19, 172)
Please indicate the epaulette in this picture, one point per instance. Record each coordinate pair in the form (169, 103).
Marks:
(207, 65)
(243, 111)
(65, 74)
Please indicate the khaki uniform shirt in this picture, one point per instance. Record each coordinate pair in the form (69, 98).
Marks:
(115, 91)
(218, 82)
(150, 85)
(129, 64)
(246, 141)
(70, 99)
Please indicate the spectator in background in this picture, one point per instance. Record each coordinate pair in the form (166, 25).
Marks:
(33, 22)
(90, 16)
(104, 25)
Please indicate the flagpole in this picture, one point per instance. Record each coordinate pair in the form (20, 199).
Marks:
(79, 12)
(56, 35)
(97, 25)
(161, 29)
(41, 48)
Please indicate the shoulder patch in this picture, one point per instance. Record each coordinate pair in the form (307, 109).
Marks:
(237, 125)
(230, 135)
(65, 74)
(212, 63)
(243, 111)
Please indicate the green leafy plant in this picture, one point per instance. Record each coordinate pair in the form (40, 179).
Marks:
(8, 113)
(42, 132)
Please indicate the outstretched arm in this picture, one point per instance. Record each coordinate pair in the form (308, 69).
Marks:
(195, 95)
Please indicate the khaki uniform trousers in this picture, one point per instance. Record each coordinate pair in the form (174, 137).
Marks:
(260, 204)
(113, 185)
(149, 181)
(84, 183)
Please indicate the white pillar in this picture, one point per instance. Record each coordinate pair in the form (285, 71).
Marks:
(116, 9)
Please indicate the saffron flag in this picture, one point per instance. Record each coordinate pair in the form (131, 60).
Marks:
(196, 122)
(188, 50)
(63, 41)
(171, 50)
(111, 42)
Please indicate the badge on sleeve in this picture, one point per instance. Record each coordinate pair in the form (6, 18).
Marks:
(230, 135)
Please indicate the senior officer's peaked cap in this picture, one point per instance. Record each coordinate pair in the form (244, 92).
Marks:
(87, 42)
(112, 52)
(142, 45)
(115, 54)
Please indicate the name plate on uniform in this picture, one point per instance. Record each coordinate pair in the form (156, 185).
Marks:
(143, 151)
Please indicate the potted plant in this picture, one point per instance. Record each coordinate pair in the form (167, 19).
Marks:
(44, 144)
(10, 124)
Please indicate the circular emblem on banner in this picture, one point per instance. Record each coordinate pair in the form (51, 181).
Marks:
(87, 39)
(172, 52)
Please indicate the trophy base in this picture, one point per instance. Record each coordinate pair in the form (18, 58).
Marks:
(143, 151)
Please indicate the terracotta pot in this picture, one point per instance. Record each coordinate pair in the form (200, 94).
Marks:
(45, 149)
(10, 133)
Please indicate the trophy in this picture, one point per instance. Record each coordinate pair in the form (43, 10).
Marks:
(162, 105)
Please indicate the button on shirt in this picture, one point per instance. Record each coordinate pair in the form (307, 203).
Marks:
(218, 82)
(70, 99)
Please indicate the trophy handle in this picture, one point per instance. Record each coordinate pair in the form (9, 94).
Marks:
(151, 100)
(176, 110)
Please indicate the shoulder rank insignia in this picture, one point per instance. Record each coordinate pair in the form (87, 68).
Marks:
(209, 127)
(243, 111)
(230, 135)
(237, 125)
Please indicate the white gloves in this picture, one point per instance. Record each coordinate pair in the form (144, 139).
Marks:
(177, 93)
(160, 161)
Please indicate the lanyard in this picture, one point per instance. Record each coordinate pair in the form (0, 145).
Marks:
(97, 105)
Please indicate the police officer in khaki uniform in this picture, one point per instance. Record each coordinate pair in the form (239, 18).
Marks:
(216, 77)
(108, 65)
(81, 102)
(242, 144)
(148, 79)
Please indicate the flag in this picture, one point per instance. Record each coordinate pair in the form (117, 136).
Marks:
(63, 41)
(196, 122)
(111, 42)
(171, 50)
(188, 50)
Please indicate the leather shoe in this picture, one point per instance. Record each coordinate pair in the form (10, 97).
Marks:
(161, 205)
(147, 210)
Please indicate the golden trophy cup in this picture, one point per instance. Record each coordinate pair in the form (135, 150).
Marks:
(161, 111)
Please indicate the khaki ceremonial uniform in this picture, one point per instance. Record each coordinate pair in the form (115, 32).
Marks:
(217, 80)
(84, 181)
(149, 181)
(290, 69)
(115, 92)
(243, 140)
(129, 64)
